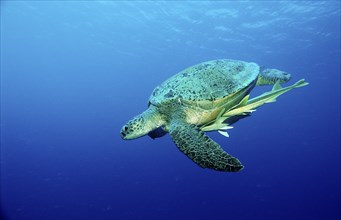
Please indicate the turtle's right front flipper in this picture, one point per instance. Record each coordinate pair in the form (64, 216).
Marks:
(201, 149)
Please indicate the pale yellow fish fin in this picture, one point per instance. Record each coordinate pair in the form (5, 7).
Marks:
(277, 86)
(223, 130)
(244, 100)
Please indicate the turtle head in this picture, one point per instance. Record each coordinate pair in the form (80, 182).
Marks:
(133, 129)
(142, 124)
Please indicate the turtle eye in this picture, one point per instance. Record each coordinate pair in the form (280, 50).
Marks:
(125, 128)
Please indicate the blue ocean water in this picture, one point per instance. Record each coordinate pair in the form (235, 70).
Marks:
(74, 72)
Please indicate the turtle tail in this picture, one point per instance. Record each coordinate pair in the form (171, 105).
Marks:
(271, 76)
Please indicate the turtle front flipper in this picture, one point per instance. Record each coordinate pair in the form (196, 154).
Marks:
(201, 149)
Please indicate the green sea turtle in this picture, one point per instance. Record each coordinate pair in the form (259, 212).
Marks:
(206, 97)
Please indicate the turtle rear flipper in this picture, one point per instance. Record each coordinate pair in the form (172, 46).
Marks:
(201, 149)
(271, 76)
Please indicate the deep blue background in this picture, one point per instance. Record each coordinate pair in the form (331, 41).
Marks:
(72, 73)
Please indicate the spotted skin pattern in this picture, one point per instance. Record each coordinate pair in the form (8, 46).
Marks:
(201, 149)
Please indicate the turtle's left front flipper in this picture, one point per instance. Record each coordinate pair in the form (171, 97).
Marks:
(201, 149)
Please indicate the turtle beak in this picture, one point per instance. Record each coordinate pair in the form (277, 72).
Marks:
(123, 133)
